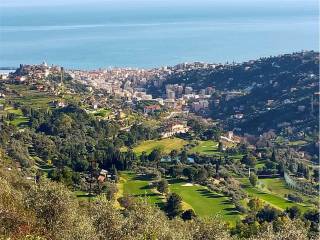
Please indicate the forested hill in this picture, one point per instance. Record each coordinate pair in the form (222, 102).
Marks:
(268, 93)
(284, 68)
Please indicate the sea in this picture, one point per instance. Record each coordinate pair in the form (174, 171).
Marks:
(147, 34)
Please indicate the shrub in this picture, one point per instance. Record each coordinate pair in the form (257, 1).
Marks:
(295, 198)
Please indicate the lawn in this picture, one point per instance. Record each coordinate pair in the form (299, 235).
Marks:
(260, 164)
(138, 186)
(204, 202)
(166, 145)
(209, 147)
(102, 112)
(19, 120)
(279, 187)
(297, 143)
(274, 197)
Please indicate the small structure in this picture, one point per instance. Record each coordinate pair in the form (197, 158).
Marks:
(173, 128)
(151, 109)
(102, 176)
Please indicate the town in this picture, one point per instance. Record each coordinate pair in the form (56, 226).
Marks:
(189, 142)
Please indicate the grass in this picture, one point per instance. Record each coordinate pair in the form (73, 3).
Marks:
(83, 196)
(279, 187)
(209, 147)
(101, 112)
(167, 145)
(205, 203)
(19, 120)
(138, 186)
(260, 164)
(274, 197)
(30, 97)
(276, 185)
(297, 143)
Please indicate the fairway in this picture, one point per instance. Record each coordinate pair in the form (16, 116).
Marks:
(138, 186)
(204, 202)
(276, 185)
(166, 145)
(19, 120)
(270, 197)
(209, 147)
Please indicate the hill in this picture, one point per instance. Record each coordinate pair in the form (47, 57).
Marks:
(258, 95)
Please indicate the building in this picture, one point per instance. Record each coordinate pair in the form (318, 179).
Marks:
(202, 104)
(238, 115)
(102, 176)
(188, 90)
(169, 103)
(174, 128)
(170, 94)
(151, 109)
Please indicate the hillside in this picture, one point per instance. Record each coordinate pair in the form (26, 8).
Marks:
(80, 162)
(259, 95)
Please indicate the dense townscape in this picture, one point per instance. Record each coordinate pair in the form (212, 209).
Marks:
(192, 151)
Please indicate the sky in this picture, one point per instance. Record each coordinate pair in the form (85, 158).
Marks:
(39, 3)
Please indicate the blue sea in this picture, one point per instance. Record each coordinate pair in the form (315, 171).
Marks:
(154, 33)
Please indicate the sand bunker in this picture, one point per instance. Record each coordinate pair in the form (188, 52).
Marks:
(187, 185)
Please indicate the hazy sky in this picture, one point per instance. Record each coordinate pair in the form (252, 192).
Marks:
(24, 3)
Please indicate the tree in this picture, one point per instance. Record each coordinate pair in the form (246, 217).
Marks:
(289, 230)
(218, 163)
(270, 165)
(253, 179)
(249, 160)
(201, 175)
(110, 189)
(255, 204)
(143, 157)
(267, 214)
(155, 155)
(58, 213)
(274, 156)
(184, 156)
(316, 174)
(293, 212)
(188, 215)
(189, 172)
(173, 154)
(209, 229)
(174, 205)
(162, 186)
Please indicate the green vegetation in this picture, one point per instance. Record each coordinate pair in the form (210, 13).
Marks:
(271, 198)
(102, 112)
(28, 97)
(209, 147)
(138, 186)
(279, 187)
(204, 202)
(297, 143)
(19, 120)
(166, 145)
